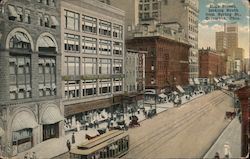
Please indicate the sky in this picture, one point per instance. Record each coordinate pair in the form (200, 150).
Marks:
(214, 13)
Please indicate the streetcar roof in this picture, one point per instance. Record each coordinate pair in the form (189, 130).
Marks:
(98, 143)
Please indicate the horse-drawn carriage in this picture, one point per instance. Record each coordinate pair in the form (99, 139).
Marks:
(230, 115)
(134, 122)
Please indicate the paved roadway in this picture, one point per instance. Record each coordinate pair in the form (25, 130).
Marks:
(184, 132)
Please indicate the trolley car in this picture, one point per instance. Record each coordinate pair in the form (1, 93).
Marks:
(112, 144)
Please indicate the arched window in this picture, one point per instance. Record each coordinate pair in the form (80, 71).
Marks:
(46, 44)
(19, 41)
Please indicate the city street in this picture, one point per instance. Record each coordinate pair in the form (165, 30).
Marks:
(184, 132)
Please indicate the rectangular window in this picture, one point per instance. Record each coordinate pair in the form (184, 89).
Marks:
(71, 42)
(117, 85)
(89, 66)
(117, 67)
(117, 48)
(104, 28)
(19, 77)
(104, 86)
(89, 24)
(89, 87)
(72, 20)
(72, 89)
(89, 45)
(104, 66)
(47, 76)
(72, 66)
(104, 47)
(27, 17)
(20, 14)
(117, 31)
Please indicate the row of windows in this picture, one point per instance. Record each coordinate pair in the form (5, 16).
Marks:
(90, 87)
(90, 46)
(48, 2)
(24, 15)
(89, 24)
(89, 66)
(20, 76)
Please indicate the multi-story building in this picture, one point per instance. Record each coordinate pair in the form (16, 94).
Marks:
(166, 60)
(134, 79)
(185, 12)
(132, 13)
(231, 31)
(212, 64)
(243, 95)
(220, 41)
(30, 61)
(92, 59)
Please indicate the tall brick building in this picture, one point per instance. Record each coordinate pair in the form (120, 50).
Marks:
(166, 62)
(243, 95)
(212, 64)
(30, 89)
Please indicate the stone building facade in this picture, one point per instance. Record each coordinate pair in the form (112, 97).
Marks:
(92, 60)
(30, 60)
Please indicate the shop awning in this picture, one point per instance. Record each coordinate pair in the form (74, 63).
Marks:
(191, 82)
(1, 132)
(180, 89)
(196, 81)
(12, 11)
(162, 95)
(216, 80)
(51, 115)
(24, 120)
(175, 92)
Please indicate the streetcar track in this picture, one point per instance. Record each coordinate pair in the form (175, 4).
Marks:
(183, 120)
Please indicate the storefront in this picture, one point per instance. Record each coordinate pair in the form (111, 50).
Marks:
(22, 131)
(50, 121)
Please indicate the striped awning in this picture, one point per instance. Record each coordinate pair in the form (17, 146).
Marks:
(24, 120)
(1, 132)
(51, 115)
(180, 89)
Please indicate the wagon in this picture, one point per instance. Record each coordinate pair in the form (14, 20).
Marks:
(230, 115)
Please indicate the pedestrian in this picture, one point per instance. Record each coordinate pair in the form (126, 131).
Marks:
(68, 145)
(26, 155)
(73, 138)
(217, 155)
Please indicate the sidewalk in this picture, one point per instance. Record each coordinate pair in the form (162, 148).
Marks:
(57, 146)
(229, 141)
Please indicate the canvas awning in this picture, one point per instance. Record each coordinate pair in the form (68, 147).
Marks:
(162, 95)
(1, 132)
(54, 21)
(12, 11)
(216, 80)
(51, 115)
(180, 89)
(196, 81)
(191, 82)
(24, 120)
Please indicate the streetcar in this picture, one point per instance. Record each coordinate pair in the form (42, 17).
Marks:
(112, 144)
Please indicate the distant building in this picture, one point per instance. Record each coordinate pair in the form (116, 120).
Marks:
(183, 12)
(30, 61)
(220, 41)
(92, 60)
(212, 64)
(131, 8)
(166, 60)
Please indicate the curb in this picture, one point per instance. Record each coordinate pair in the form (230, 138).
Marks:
(215, 140)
